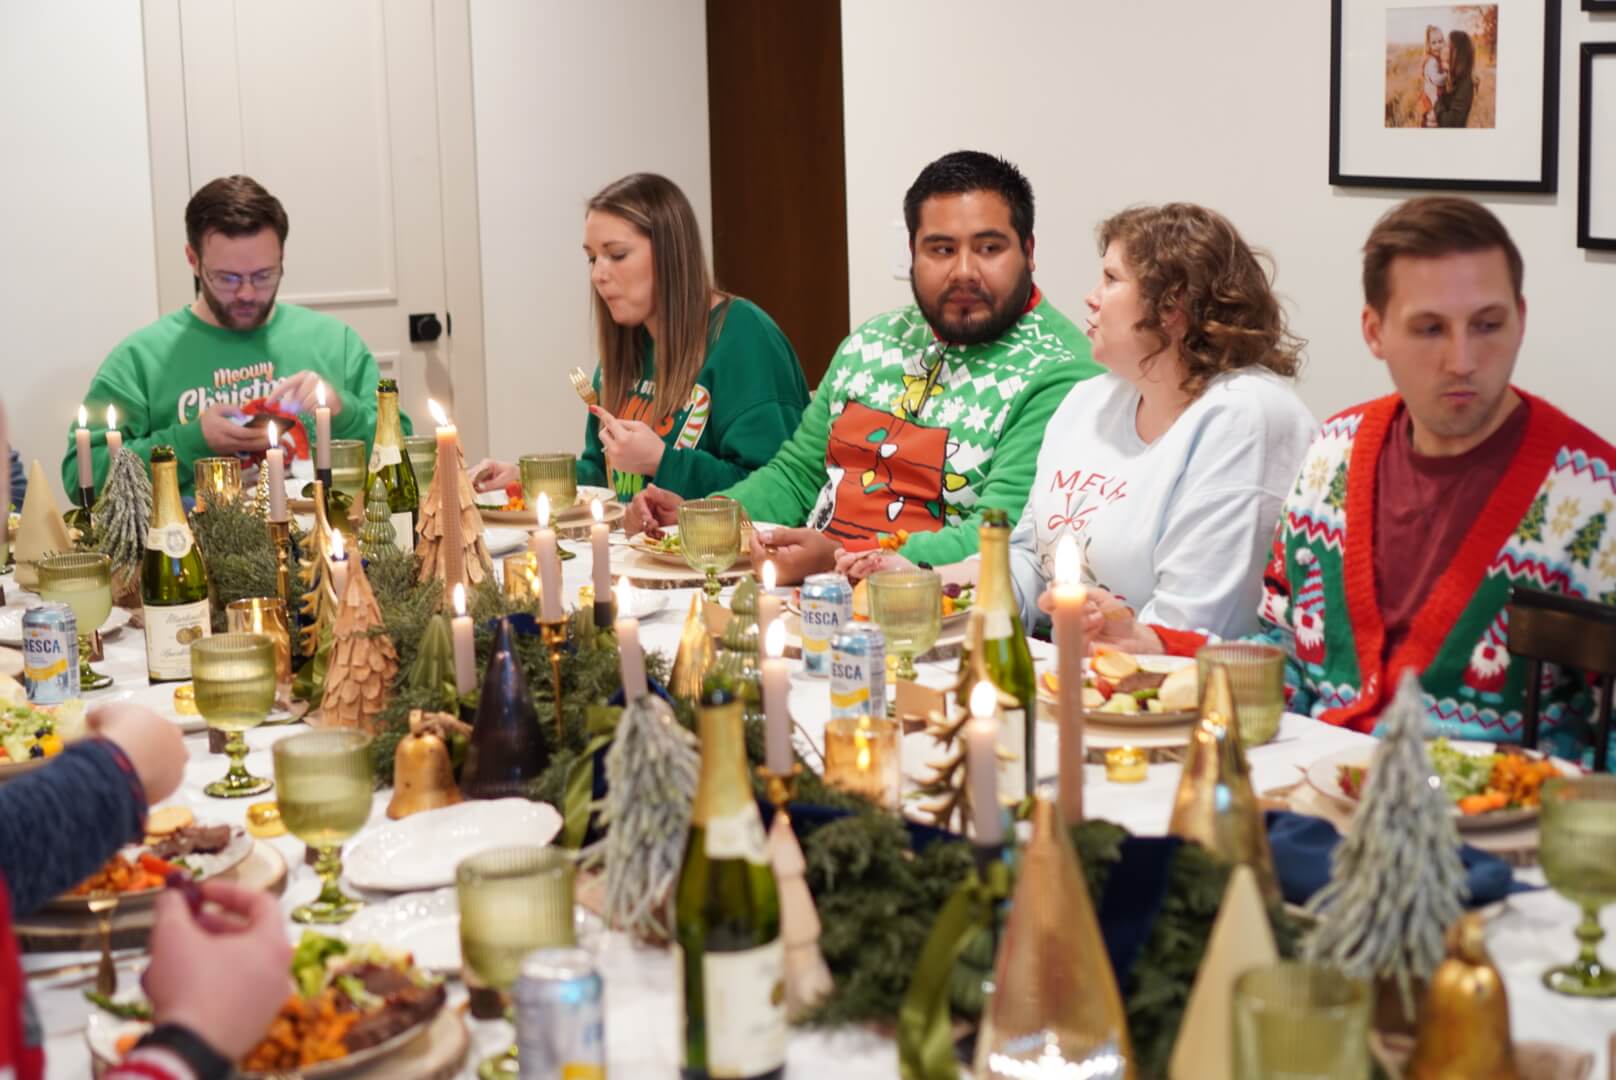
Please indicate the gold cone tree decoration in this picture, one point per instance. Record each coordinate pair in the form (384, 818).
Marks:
(319, 605)
(363, 663)
(695, 656)
(41, 531)
(1463, 1031)
(1055, 1009)
(1215, 805)
(474, 563)
(1242, 938)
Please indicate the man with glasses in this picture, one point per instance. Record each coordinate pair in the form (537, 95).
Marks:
(184, 379)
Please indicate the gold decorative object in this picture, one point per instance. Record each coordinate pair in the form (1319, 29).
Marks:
(41, 532)
(694, 658)
(1126, 765)
(554, 636)
(260, 502)
(861, 756)
(266, 615)
(280, 536)
(264, 820)
(363, 663)
(1463, 1030)
(218, 480)
(521, 577)
(1215, 805)
(185, 700)
(435, 562)
(1055, 1009)
(808, 979)
(1241, 939)
(423, 776)
(319, 604)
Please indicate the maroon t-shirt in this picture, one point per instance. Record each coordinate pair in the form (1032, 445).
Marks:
(1424, 507)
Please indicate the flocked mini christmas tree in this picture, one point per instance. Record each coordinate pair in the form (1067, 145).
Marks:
(363, 662)
(121, 515)
(1396, 881)
(377, 532)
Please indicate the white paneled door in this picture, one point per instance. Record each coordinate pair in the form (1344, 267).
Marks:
(356, 115)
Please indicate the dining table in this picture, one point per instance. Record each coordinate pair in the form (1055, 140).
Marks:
(1526, 933)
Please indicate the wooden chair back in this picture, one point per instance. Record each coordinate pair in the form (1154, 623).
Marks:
(1547, 627)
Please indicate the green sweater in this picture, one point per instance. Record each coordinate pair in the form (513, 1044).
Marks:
(164, 375)
(863, 463)
(748, 396)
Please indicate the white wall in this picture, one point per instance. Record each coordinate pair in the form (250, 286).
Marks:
(570, 96)
(79, 269)
(1227, 104)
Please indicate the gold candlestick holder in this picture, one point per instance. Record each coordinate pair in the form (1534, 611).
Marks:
(280, 535)
(780, 787)
(554, 636)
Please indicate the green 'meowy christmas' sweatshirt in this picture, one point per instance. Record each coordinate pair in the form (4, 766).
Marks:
(902, 436)
(162, 376)
(1546, 526)
(749, 395)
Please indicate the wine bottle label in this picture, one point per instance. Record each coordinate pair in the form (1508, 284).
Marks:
(745, 997)
(738, 836)
(172, 540)
(383, 456)
(996, 624)
(1012, 739)
(404, 531)
(169, 633)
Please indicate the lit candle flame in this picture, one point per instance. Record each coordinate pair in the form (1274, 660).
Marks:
(84, 417)
(598, 510)
(774, 640)
(319, 393)
(1068, 561)
(274, 436)
(769, 575)
(437, 413)
(459, 598)
(862, 762)
(336, 547)
(112, 416)
(984, 700)
(544, 510)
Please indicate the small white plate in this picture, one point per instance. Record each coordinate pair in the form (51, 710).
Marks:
(422, 850)
(11, 663)
(11, 625)
(643, 603)
(427, 926)
(504, 539)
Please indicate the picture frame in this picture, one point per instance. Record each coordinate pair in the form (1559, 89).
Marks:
(1414, 106)
(1596, 147)
(1600, 6)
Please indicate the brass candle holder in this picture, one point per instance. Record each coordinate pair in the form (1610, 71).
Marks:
(781, 788)
(280, 535)
(554, 636)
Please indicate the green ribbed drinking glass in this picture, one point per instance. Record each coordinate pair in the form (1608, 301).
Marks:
(1302, 1022)
(555, 475)
(908, 607)
(710, 537)
(348, 468)
(1256, 680)
(83, 581)
(423, 454)
(234, 679)
(1577, 848)
(324, 791)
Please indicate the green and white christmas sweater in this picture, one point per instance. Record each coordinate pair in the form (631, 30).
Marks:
(908, 433)
(1546, 526)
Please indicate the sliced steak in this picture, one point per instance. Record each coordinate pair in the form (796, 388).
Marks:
(1141, 680)
(193, 840)
(404, 1009)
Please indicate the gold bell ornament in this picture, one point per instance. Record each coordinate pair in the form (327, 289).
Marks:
(1463, 1030)
(423, 775)
(695, 656)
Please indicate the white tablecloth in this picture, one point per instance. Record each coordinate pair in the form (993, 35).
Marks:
(1533, 929)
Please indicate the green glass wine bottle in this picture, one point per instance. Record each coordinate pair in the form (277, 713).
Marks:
(391, 465)
(727, 916)
(1004, 652)
(173, 581)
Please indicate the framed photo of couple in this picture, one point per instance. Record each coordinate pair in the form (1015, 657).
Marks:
(1460, 97)
(1596, 148)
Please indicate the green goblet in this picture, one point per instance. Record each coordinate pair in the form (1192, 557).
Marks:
(83, 581)
(234, 677)
(555, 475)
(1302, 1022)
(710, 537)
(324, 791)
(348, 468)
(423, 453)
(1577, 848)
(908, 607)
(512, 900)
(1257, 681)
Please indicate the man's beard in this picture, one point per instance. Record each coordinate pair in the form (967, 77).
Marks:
(978, 328)
(227, 317)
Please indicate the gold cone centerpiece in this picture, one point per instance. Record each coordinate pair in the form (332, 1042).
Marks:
(695, 656)
(1215, 805)
(1055, 1008)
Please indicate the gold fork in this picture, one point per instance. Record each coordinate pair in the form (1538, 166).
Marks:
(106, 975)
(583, 386)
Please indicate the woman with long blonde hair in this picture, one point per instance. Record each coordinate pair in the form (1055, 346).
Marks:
(697, 387)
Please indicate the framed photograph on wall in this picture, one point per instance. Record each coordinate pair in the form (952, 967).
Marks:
(1599, 5)
(1596, 148)
(1461, 97)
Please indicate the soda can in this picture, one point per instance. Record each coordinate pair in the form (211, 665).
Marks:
(560, 1016)
(50, 654)
(827, 606)
(858, 671)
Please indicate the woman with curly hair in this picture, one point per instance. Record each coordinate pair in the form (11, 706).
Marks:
(1169, 469)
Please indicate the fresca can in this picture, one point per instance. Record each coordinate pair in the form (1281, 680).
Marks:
(858, 671)
(50, 654)
(560, 1016)
(827, 606)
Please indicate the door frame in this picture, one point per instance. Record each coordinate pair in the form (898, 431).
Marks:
(457, 168)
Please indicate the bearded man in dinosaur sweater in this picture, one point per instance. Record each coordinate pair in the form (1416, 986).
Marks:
(1415, 515)
(929, 414)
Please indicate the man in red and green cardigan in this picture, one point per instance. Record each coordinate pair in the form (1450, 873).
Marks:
(1416, 514)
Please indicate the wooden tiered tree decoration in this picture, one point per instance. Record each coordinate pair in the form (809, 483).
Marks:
(474, 564)
(363, 662)
(121, 516)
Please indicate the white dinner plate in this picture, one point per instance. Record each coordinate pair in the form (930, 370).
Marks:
(11, 625)
(11, 663)
(504, 539)
(427, 926)
(1160, 664)
(422, 850)
(205, 866)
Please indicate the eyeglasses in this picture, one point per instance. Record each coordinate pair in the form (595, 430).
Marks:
(225, 282)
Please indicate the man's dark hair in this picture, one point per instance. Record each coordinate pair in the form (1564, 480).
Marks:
(233, 206)
(971, 170)
(1429, 228)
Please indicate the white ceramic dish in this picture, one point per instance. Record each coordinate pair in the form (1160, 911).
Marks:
(11, 625)
(427, 926)
(1159, 664)
(422, 850)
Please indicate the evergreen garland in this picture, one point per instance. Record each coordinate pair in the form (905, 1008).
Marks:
(238, 554)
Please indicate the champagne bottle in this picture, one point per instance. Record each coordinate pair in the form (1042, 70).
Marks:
(727, 916)
(391, 465)
(173, 582)
(1005, 656)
